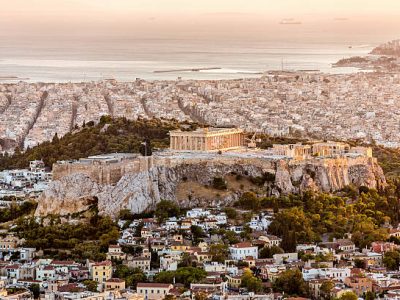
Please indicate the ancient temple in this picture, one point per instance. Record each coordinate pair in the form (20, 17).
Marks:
(207, 139)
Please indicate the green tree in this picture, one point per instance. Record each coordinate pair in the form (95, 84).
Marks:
(185, 275)
(291, 282)
(91, 285)
(370, 295)
(391, 260)
(249, 201)
(165, 277)
(358, 263)
(219, 183)
(131, 275)
(197, 233)
(295, 220)
(289, 242)
(348, 296)
(125, 214)
(326, 289)
(219, 252)
(269, 252)
(190, 275)
(251, 283)
(231, 213)
(35, 289)
(166, 209)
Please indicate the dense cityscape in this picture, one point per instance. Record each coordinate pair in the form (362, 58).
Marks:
(311, 105)
(200, 150)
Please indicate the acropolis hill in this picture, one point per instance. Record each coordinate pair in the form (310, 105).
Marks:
(186, 171)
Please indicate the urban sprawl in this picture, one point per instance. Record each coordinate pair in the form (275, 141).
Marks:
(361, 106)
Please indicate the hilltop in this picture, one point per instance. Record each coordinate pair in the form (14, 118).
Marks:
(113, 135)
(110, 135)
(391, 48)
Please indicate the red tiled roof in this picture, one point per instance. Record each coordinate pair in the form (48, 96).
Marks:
(63, 262)
(12, 267)
(103, 263)
(242, 245)
(72, 287)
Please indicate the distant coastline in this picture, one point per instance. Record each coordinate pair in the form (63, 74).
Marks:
(13, 78)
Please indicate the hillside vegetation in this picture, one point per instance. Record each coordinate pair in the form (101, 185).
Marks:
(109, 136)
(122, 135)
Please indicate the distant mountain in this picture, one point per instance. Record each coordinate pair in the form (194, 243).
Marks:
(390, 49)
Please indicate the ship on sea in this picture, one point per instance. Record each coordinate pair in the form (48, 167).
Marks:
(290, 22)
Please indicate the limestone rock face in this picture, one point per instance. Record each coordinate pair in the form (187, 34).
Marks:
(142, 190)
(71, 194)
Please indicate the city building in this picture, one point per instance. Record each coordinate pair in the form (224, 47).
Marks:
(242, 250)
(153, 291)
(101, 272)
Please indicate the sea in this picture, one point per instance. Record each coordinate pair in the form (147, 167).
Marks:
(127, 58)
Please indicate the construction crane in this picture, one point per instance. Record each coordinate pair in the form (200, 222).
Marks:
(252, 142)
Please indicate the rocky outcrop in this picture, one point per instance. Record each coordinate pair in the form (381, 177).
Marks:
(391, 48)
(74, 193)
(142, 190)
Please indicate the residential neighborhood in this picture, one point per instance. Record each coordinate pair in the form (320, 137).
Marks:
(251, 265)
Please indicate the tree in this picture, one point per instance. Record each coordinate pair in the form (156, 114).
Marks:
(185, 275)
(197, 233)
(131, 275)
(293, 219)
(190, 275)
(91, 285)
(391, 260)
(289, 242)
(200, 296)
(358, 263)
(250, 282)
(348, 296)
(291, 282)
(231, 213)
(165, 277)
(154, 260)
(219, 183)
(186, 260)
(269, 252)
(125, 214)
(365, 232)
(219, 252)
(166, 209)
(370, 295)
(326, 289)
(35, 289)
(249, 201)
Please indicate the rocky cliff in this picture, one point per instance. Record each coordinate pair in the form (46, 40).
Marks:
(142, 190)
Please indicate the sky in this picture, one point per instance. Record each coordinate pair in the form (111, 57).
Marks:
(184, 17)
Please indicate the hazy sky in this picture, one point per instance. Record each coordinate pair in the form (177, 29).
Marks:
(158, 17)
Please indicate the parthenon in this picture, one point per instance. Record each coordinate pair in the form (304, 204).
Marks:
(207, 139)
